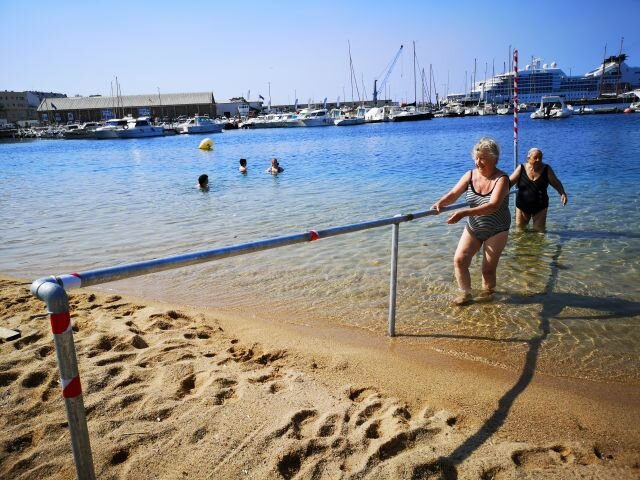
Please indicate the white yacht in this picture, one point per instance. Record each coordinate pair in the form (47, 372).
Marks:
(285, 120)
(487, 109)
(138, 128)
(635, 105)
(380, 114)
(539, 79)
(261, 121)
(200, 124)
(108, 130)
(316, 118)
(295, 119)
(506, 109)
(349, 117)
(552, 107)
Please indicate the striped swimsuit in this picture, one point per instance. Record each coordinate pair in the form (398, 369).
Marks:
(484, 227)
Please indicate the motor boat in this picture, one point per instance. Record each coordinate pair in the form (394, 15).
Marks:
(200, 124)
(379, 114)
(487, 109)
(86, 130)
(635, 105)
(410, 114)
(316, 118)
(289, 119)
(139, 128)
(261, 121)
(506, 109)
(552, 107)
(108, 130)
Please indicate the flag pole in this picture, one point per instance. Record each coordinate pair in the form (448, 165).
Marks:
(515, 108)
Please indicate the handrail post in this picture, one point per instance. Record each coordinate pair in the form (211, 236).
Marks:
(57, 302)
(393, 281)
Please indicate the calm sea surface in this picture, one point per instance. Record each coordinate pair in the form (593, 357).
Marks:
(574, 293)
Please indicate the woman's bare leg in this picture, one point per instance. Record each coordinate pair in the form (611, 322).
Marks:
(468, 246)
(493, 248)
(522, 219)
(540, 220)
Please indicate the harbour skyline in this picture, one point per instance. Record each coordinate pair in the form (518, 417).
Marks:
(290, 51)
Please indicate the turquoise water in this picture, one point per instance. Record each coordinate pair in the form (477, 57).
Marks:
(78, 205)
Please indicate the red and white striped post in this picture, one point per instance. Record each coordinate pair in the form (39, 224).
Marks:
(55, 296)
(515, 108)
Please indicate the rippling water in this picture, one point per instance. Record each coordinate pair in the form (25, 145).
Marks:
(574, 292)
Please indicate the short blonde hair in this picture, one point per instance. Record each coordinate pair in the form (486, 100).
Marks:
(533, 150)
(486, 145)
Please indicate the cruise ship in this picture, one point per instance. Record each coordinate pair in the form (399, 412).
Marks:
(537, 80)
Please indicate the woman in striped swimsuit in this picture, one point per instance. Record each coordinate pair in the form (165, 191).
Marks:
(488, 221)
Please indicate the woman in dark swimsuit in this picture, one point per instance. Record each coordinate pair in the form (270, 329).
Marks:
(533, 178)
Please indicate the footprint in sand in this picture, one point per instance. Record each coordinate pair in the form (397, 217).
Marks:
(372, 435)
(535, 458)
(293, 427)
(34, 379)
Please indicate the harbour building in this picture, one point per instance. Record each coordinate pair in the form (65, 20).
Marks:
(166, 106)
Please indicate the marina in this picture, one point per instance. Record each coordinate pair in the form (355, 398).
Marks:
(337, 176)
(116, 128)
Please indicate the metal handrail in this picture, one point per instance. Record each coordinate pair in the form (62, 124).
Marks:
(120, 272)
(52, 290)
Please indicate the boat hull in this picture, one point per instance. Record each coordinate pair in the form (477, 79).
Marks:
(317, 122)
(106, 134)
(413, 117)
(141, 132)
(344, 122)
(203, 129)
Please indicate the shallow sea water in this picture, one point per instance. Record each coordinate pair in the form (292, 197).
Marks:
(573, 294)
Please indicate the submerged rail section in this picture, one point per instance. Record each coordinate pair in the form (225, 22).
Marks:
(52, 290)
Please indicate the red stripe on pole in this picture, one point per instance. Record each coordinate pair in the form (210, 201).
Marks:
(314, 235)
(75, 274)
(73, 389)
(59, 322)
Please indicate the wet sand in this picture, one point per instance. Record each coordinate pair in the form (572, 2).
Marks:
(172, 391)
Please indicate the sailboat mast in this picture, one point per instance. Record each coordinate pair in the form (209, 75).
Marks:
(350, 71)
(423, 85)
(602, 73)
(118, 99)
(430, 82)
(415, 92)
(619, 70)
(473, 85)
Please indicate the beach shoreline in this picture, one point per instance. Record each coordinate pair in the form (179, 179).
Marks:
(222, 396)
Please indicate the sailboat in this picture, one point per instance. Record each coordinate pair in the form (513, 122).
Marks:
(410, 113)
(350, 116)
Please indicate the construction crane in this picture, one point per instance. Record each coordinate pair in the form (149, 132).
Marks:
(377, 88)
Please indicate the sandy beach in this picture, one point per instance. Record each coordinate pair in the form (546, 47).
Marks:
(176, 392)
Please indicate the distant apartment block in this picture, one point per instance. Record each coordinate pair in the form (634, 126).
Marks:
(21, 108)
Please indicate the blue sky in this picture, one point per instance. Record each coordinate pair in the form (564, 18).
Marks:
(297, 48)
